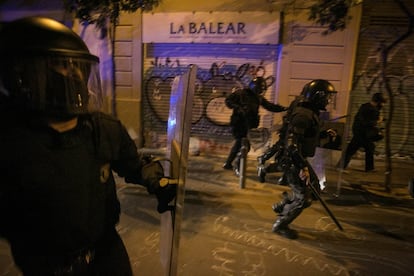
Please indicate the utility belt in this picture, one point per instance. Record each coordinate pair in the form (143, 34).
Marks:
(77, 264)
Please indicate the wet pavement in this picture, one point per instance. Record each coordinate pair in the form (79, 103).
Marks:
(226, 230)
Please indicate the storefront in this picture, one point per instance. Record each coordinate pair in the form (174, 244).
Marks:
(229, 49)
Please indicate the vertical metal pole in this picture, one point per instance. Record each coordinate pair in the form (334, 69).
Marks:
(243, 160)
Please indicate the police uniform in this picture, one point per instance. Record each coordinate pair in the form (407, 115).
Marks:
(303, 136)
(304, 129)
(245, 116)
(58, 203)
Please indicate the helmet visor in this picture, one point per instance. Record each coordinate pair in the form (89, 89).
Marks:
(53, 85)
(330, 100)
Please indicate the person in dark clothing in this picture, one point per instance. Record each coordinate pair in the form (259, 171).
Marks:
(365, 132)
(245, 116)
(277, 149)
(58, 202)
(303, 134)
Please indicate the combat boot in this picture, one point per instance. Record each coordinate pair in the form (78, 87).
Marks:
(227, 166)
(237, 171)
(278, 207)
(261, 160)
(261, 172)
(281, 228)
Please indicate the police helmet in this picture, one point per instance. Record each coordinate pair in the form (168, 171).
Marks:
(258, 85)
(47, 68)
(318, 93)
(378, 98)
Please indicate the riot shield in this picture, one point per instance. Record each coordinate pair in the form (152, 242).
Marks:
(179, 128)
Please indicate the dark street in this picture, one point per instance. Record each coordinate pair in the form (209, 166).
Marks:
(226, 230)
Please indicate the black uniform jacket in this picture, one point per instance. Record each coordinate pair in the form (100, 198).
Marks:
(365, 125)
(304, 130)
(245, 104)
(57, 191)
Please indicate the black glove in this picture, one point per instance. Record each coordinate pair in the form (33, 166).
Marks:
(165, 193)
(152, 174)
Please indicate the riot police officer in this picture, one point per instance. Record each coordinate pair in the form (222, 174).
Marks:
(303, 132)
(58, 202)
(277, 149)
(245, 116)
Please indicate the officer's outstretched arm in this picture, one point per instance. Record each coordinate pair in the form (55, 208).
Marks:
(271, 106)
(113, 142)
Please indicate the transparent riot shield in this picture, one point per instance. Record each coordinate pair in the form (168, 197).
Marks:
(179, 128)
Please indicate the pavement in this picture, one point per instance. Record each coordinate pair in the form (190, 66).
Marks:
(226, 229)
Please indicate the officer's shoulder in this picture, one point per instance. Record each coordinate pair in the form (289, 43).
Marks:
(238, 90)
(301, 111)
(105, 119)
(235, 93)
(103, 116)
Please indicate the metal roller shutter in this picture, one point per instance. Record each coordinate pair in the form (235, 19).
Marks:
(381, 25)
(221, 68)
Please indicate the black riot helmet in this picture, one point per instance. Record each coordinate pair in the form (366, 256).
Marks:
(47, 68)
(258, 85)
(379, 98)
(318, 93)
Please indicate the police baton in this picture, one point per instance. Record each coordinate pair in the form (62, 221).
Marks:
(316, 194)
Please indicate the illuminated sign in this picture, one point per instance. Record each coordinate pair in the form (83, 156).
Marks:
(212, 27)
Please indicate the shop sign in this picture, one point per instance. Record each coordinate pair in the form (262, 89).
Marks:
(212, 27)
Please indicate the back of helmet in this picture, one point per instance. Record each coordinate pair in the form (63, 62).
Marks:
(258, 85)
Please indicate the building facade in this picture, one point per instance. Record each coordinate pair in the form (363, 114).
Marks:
(285, 48)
